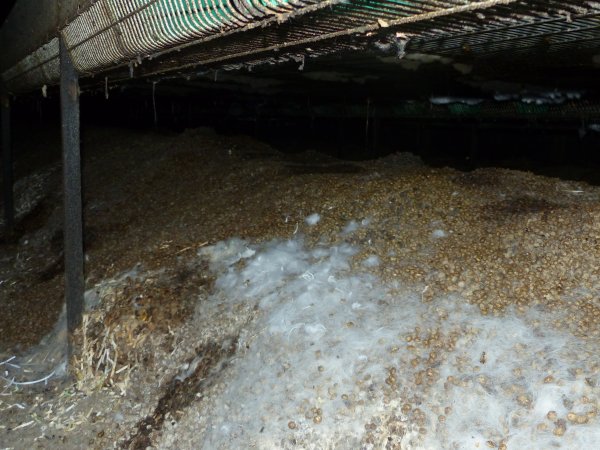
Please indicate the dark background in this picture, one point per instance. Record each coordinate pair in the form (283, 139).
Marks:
(5, 7)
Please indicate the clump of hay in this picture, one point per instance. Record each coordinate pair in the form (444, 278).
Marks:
(112, 336)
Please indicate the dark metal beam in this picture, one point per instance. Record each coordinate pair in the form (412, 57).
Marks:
(31, 24)
(73, 226)
(7, 167)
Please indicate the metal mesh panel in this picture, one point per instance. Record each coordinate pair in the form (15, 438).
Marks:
(549, 33)
(166, 35)
(112, 31)
(437, 22)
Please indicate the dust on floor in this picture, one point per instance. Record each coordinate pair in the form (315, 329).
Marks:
(243, 298)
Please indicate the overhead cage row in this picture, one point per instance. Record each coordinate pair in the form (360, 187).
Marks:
(111, 33)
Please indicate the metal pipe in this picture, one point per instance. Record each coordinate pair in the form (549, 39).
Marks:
(73, 225)
(7, 168)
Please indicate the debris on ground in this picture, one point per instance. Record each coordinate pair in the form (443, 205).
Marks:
(238, 297)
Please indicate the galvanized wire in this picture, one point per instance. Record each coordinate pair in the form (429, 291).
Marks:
(430, 24)
(181, 34)
(112, 31)
(109, 32)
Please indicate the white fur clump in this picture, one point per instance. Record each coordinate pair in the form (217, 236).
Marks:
(324, 338)
(313, 219)
(506, 398)
(371, 261)
(438, 234)
(351, 227)
(226, 253)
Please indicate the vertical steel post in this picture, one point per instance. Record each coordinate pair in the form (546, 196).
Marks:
(73, 226)
(7, 167)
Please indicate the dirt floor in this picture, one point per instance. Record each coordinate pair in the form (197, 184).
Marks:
(167, 334)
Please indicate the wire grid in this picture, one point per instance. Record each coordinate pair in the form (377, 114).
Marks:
(109, 32)
(113, 31)
(182, 34)
(429, 32)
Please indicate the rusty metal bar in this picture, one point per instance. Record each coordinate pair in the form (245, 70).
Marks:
(73, 225)
(7, 167)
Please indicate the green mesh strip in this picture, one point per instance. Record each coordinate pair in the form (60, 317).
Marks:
(523, 108)
(410, 108)
(464, 110)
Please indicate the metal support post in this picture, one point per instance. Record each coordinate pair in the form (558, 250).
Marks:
(73, 225)
(7, 167)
